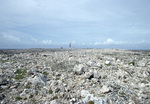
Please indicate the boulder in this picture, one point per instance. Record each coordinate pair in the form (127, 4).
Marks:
(38, 80)
(97, 74)
(80, 69)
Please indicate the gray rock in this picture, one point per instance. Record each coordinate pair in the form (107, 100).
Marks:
(80, 69)
(89, 75)
(53, 102)
(47, 102)
(36, 80)
(97, 74)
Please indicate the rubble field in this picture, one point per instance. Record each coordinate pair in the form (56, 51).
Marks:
(74, 76)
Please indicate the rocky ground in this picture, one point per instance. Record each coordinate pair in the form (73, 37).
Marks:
(82, 76)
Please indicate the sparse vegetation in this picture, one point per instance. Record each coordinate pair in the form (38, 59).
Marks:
(50, 91)
(20, 73)
(18, 98)
(19, 77)
(108, 64)
(55, 97)
(57, 78)
(3, 61)
(91, 102)
(132, 63)
(18, 84)
(33, 100)
(122, 93)
(45, 73)
(28, 87)
(36, 93)
(31, 96)
(54, 77)
(1, 89)
(25, 98)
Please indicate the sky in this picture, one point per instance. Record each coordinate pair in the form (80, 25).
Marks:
(121, 24)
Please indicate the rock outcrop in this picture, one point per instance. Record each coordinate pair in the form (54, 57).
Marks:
(81, 76)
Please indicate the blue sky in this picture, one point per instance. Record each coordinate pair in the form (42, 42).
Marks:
(121, 24)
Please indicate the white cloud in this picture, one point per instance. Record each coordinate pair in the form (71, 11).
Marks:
(34, 39)
(144, 42)
(10, 38)
(47, 42)
(97, 43)
(109, 41)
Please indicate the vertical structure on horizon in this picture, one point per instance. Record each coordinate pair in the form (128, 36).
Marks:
(69, 45)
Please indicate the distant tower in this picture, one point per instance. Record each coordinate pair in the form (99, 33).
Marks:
(70, 45)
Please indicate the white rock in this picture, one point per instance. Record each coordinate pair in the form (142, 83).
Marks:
(97, 74)
(145, 74)
(107, 62)
(85, 93)
(36, 81)
(53, 102)
(88, 75)
(79, 69)
(91, 63)
(105, 89)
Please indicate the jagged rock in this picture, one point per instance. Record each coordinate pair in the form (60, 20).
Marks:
(89, 75)
(91, 63)
(97, 74)
(85, 93)
(53, 102)
(90, 97)
(47, 102)
(80, 69)
(36, 80)
(105, 89)
(80, 76)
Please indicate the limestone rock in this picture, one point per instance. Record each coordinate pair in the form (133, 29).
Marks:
(80, 69)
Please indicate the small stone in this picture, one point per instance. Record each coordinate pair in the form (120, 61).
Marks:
(85, 93)
(107, 62)
(105, 89)
(47, 102)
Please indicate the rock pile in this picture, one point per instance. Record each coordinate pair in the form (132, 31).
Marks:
(82, 76)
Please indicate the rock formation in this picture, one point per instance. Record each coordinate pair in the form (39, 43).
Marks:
(77, 76)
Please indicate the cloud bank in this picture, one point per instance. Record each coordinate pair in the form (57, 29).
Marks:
(84, 23)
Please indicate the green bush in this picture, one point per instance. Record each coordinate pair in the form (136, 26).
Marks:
(21, 71)
(1, 89)
(18, 98)
(31, 96)
(3, 61)
(45, 73)
(57, 78)
(55, 97)
(133, 63)
(25, 98)
(91, 102)
(19, 77)
(122, 93)
(50, 91)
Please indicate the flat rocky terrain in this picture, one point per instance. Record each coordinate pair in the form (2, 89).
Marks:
(75, 76)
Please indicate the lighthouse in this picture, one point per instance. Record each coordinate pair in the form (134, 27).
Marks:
(70, 45)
